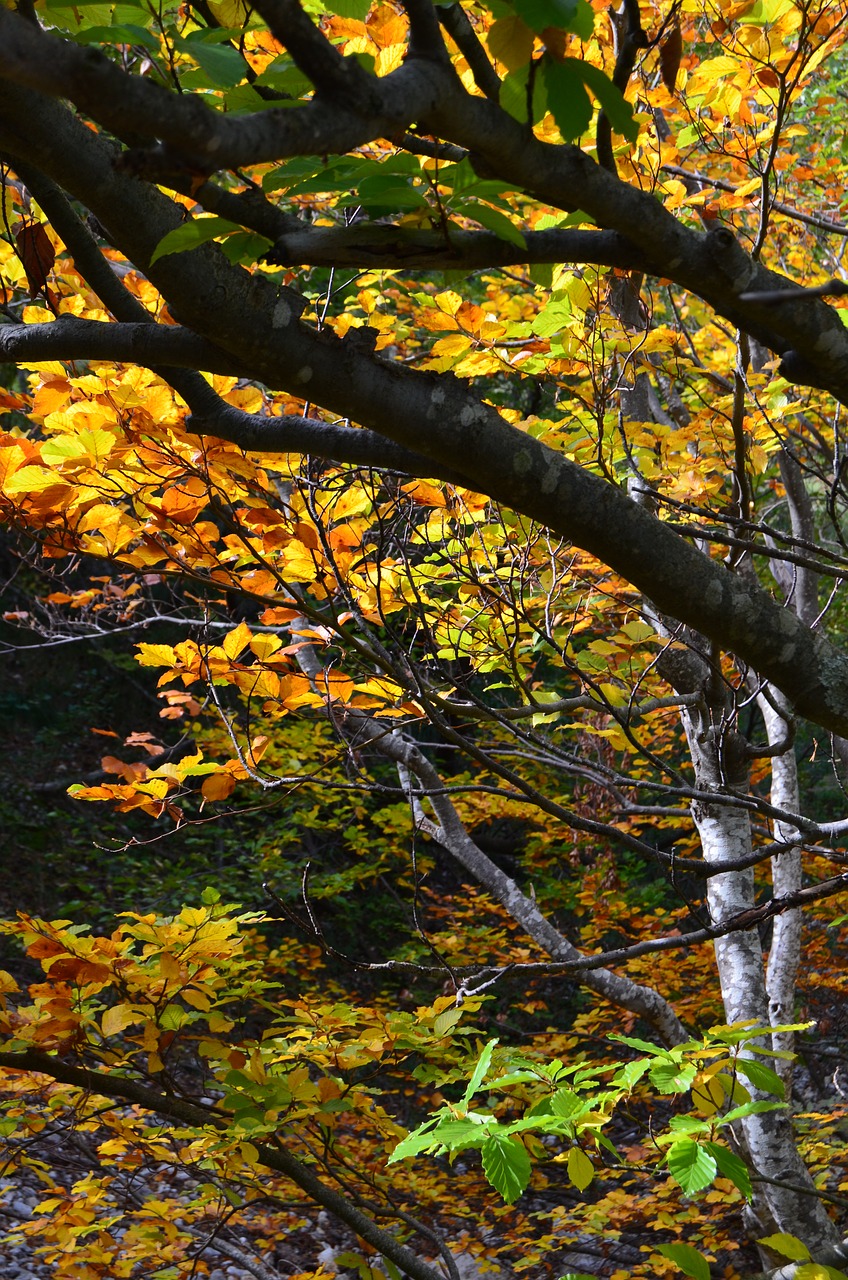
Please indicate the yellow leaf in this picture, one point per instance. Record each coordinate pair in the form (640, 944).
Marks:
(258, 747)
(353, 502)
(31, 479)
(264, 646)
(581, 1171)
(7, 982)
(196, 999)
(445, 1021)
(510, 40)
(155, 655)
(117, 1018)
(236, 640)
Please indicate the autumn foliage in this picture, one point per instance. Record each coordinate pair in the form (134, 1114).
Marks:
(438, 409)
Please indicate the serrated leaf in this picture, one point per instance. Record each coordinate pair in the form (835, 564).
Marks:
(690, 1260)
(565, 1104)
(190, 234)
(506, 1164)
(672, 1077)
(691, 1166)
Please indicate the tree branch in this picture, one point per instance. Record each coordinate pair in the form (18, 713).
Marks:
(207, 139)
(381, 245)
(273, 1157)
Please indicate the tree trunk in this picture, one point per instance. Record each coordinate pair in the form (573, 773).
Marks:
(783, 1201)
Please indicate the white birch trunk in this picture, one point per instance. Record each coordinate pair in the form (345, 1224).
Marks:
(785, 951)
(784, 1200)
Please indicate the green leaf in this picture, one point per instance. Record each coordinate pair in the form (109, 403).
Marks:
(223, 65)
(446, 1020)
(539, 14)
(190, 234)
(123, 33)
(506, 1164)
(672, 1077)
(492, 220)
(566, 96)
(616, 107)
(691, 1166)
(553, 317)
(421, 1139)
(356, 9)
(479, 1072)
(817, 1271)
(513, 94)
(517, 1077)
(732, 1167)
(751, 1109)
(761, 1076)
(630, 1072)
(455, 1135)
(786, 1245)
(690, 1261)
(644, 1046)
(565, 1104)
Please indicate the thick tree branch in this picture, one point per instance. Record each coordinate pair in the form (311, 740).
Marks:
(438, 416)
(333, 75)
(203, 138)
(149, 344)
(379, 245)
(710, 264)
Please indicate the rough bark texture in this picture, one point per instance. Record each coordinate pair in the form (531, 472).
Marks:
(256, 325)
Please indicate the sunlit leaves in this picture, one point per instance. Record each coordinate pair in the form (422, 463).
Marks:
(190, 234)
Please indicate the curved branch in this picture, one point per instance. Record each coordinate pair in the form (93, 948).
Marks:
(205, 139)
(440, 417)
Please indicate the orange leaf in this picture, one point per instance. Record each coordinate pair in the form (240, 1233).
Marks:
(218, 786)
